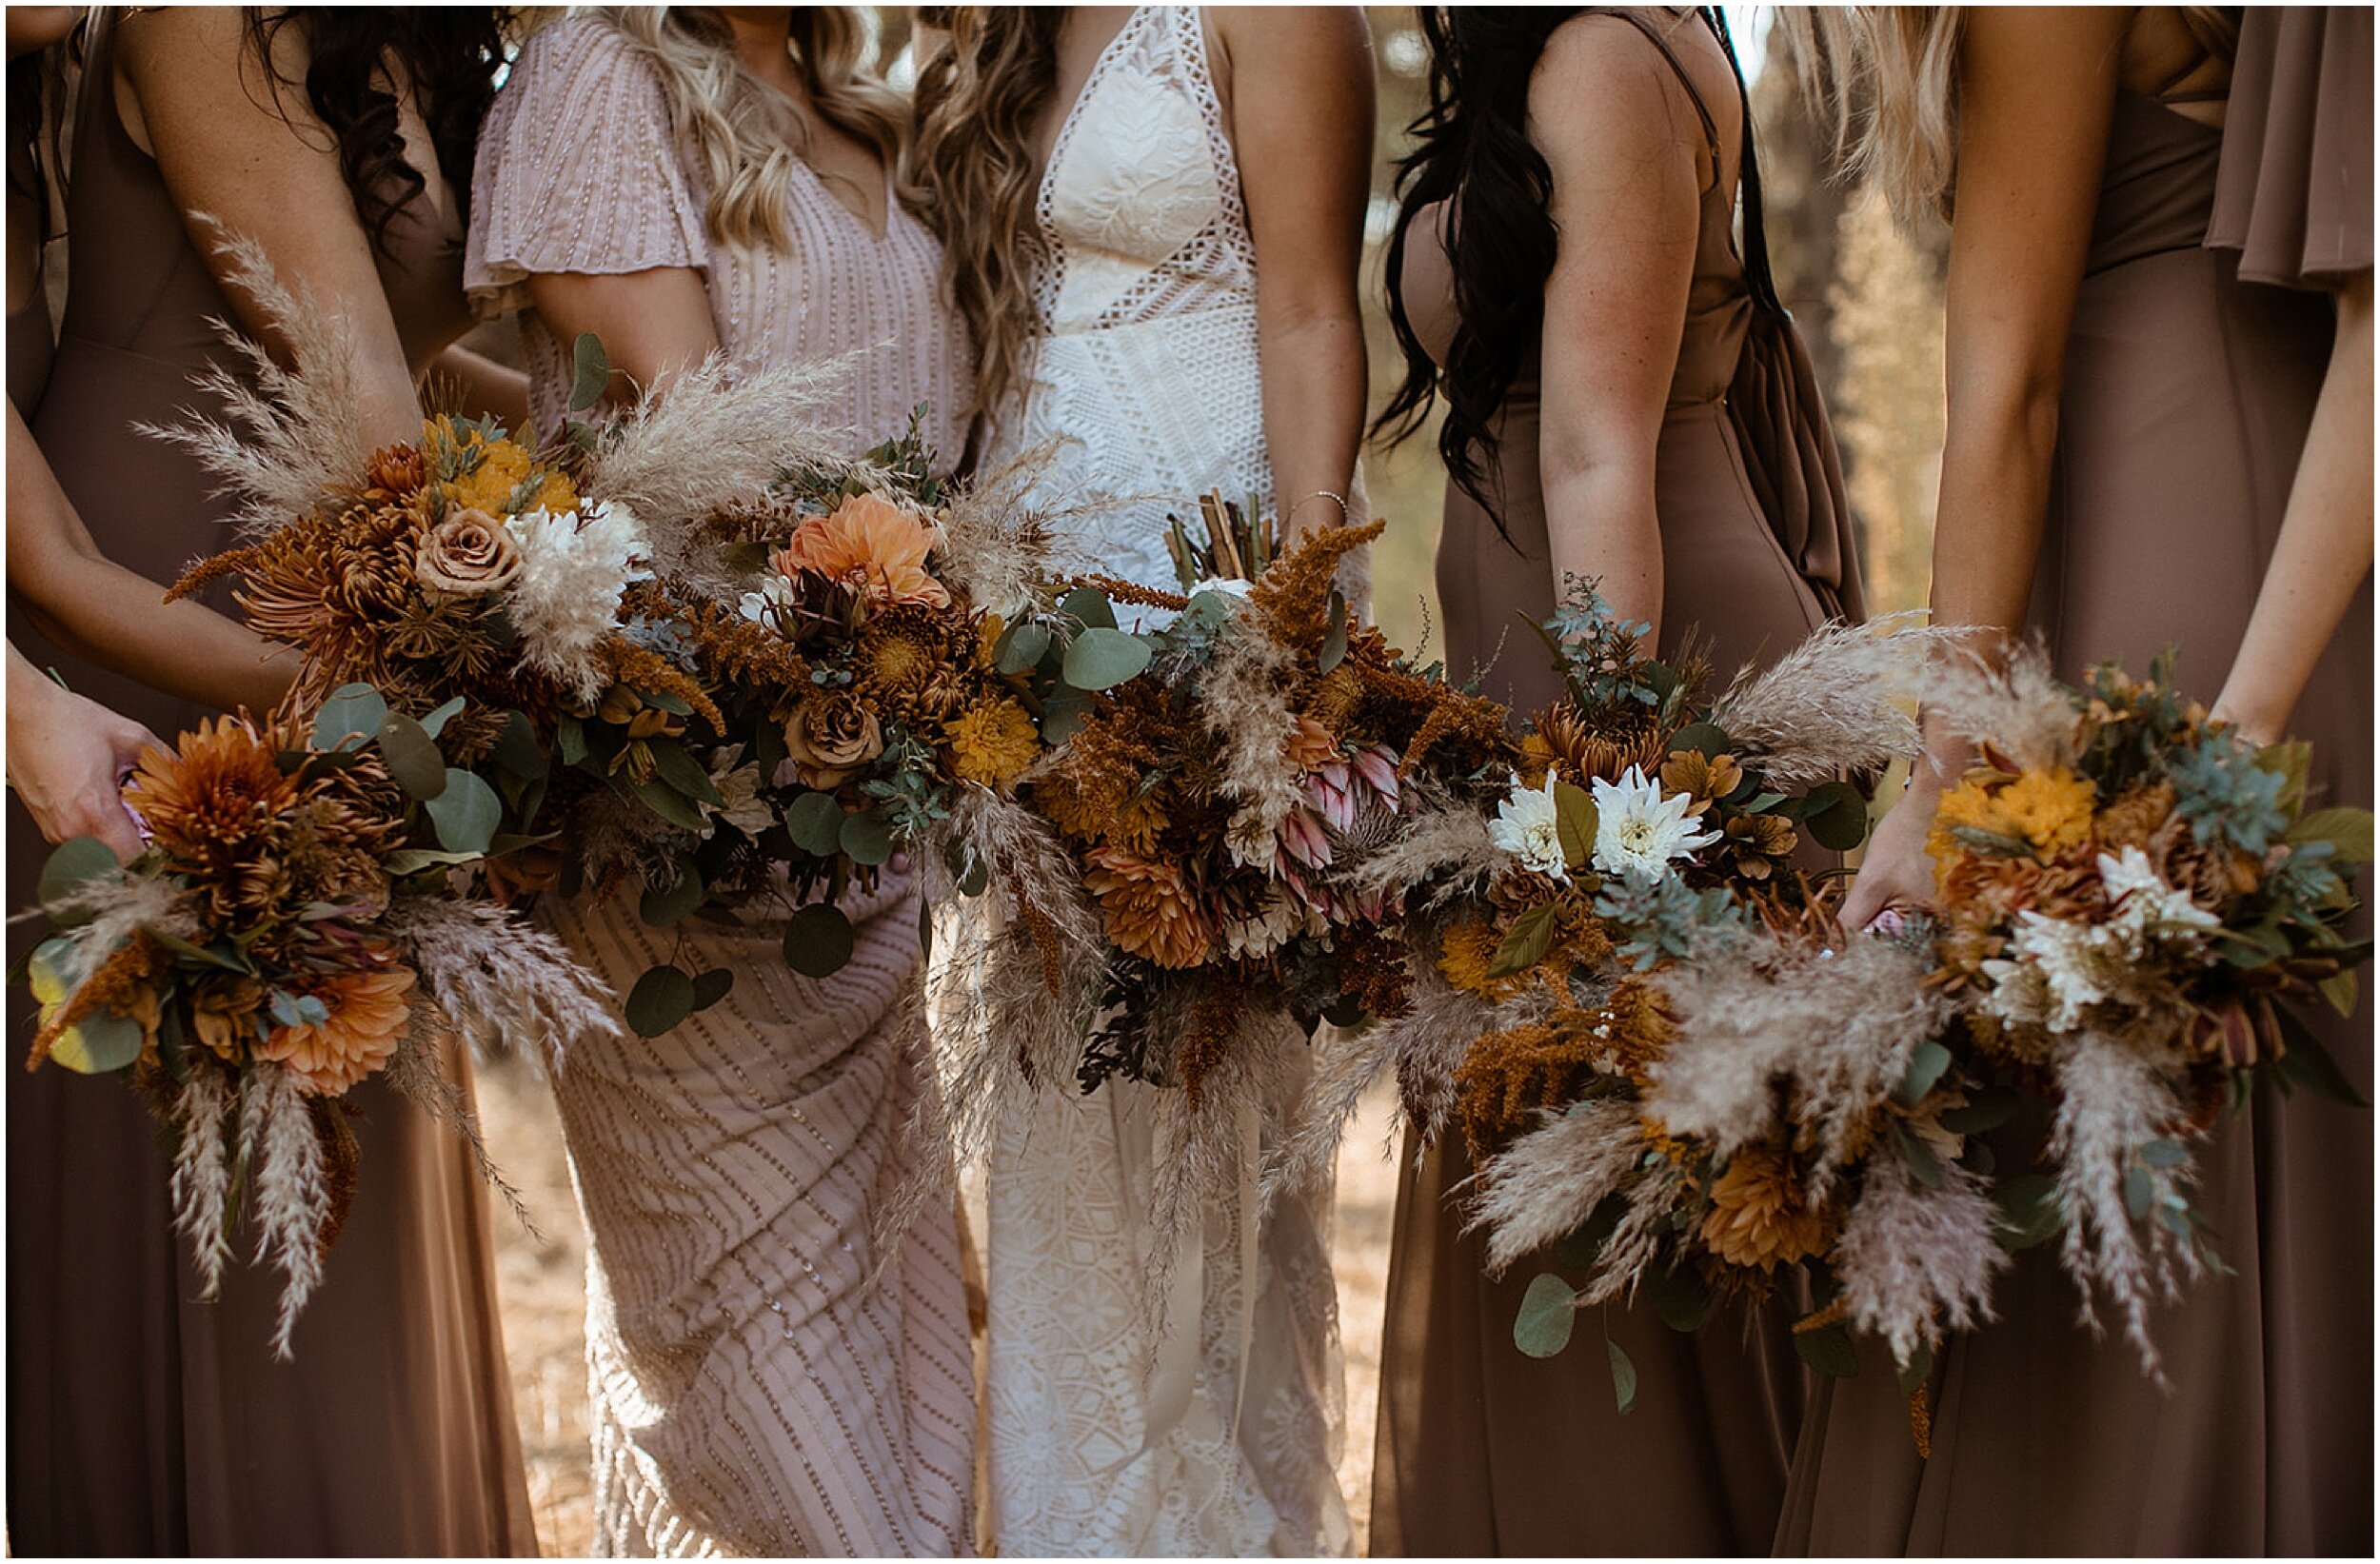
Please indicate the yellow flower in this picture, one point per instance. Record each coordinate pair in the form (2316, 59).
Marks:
(1468, 952)
(992, 744)
(2050, 811)
(498, 468)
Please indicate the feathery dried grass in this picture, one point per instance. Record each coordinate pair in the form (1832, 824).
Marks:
(289, 436)
(1243, 700)
(1440, 850)
(715, 434)
(1839, 702)
(998, 549)
(1549, 1180)
(201, 1173)
(1914, 1262)
(499, 979)
(1835, 1028)
(2116, 1096)
(293, 1194)
(2018, 705)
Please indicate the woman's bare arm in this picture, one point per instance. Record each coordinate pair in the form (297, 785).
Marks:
(114, 617)
(2037, 89)
(1301, 125)
(653, 325)
(1623, 143)
(2323, 552)
(487, 388)
(237, 146)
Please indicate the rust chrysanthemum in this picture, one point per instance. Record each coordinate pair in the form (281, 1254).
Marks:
(368, 1012)
(1146, 908)
(1759, 1218)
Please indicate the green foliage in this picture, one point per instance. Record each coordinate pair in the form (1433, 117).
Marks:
(1548, 1315)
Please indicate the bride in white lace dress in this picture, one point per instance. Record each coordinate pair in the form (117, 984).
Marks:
(1109, 185)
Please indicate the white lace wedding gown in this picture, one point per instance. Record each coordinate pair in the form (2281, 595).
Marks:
(1220, 1436)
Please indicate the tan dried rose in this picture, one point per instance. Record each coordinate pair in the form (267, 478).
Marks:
(467, 554)
(831, 736)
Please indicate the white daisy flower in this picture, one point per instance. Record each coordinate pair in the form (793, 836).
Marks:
(1525, 826)
(2146, 907)
(1640, 833)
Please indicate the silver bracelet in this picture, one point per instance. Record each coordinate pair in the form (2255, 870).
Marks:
(1323, 494)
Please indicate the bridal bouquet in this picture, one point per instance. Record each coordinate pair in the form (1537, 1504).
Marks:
(288, 934)
(2131, 900)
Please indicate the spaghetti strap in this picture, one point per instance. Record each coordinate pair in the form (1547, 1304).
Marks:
(1635, 19)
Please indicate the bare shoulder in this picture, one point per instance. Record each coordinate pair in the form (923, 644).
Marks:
(202, 45)
(1312, 35)
(1603, 88)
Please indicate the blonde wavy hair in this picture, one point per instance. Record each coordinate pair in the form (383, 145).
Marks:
(1887, 79)
(976, 174)
(742, 132)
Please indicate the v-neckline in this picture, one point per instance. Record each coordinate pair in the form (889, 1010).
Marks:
(1064, 139)
(817, 182)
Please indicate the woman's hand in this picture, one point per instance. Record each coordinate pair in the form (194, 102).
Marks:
(66, 760)
(1897, 872)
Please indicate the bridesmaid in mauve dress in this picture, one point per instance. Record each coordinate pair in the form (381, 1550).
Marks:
(755, 1391)
(142, 1420)
(2185, 400)
(1483, 1450)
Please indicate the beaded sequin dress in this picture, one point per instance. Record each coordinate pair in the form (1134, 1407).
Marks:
(753, 1393)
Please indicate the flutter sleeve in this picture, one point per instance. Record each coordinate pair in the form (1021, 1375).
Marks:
(577, 171)
(2293, 194)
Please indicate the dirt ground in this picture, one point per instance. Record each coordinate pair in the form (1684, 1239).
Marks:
(541, 1277)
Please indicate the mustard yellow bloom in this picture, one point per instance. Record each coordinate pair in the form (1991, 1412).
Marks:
(992, 744)
(2048, 810)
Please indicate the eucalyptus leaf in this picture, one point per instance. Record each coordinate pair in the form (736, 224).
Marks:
(352, 715)
(2029, 1211)
(1547, 1317)
(712, 986)
(436, 722)
(570, 739)
(815, 822)
(517, 749)
(1623, 1376)
(1101, 659)
(817, 940)
(101, 1041)
(663, 905)
(1020, 648)
(467, 812)
(866, 837)
(1917, 1156)
(1089, 606)
(1926, 1064)
(1703, 738)
(1836, 815)
(2165, 1154)
(2338, 990)
(1063, 713)
(412, 757)
(662, 999)
(590, 371)
(1681, 1297)
(1985, 1111)
(72, 864)
(2139, 1192)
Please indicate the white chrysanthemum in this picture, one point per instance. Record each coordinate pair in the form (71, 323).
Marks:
(2146, 907)
(775, 592)
(740, 801)
(1275, 920)
(1253, 838)
(1526, 826)
(1640, 833)
(2079, 965)
(567, 599)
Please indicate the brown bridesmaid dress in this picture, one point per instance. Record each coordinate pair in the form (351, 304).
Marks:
(140, 1420)
(2187, 399)
(1482, 1450)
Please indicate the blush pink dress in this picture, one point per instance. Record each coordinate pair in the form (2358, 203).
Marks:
(752, 1393)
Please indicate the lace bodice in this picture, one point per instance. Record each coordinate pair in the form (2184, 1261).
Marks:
(1145, 378)
(1139, 211)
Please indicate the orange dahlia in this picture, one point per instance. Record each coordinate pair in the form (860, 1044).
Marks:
(1147, 908)
(869, 542)
(368, 1011)
(1758, 1219)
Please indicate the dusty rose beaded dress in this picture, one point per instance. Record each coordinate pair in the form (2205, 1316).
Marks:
(752, 1393)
